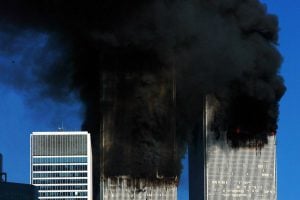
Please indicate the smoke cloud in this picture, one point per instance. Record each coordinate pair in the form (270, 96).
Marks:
(125, 56)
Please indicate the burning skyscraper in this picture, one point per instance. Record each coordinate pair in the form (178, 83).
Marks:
(221, 170)
(138, 136)
(122, 57)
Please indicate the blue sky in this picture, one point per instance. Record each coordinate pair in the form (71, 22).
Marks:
(20, 115)
(288, 158)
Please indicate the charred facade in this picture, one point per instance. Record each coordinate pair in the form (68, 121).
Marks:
(138, 124)
(219, 171)
(247, 172)
(138, 146)
(123, 188)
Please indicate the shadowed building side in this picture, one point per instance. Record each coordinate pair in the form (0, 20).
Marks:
(196, 152)
(17, 191)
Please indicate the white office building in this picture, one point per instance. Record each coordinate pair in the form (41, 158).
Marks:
(61, 165)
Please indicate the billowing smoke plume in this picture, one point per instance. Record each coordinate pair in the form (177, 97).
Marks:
(222, 47)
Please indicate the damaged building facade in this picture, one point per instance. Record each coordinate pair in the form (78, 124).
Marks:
(218, 171)
(125, 188)
(134, 163)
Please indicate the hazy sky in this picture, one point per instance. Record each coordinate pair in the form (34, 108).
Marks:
(20, 114)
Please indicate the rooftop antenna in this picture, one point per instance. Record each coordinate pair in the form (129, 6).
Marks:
(3, 176)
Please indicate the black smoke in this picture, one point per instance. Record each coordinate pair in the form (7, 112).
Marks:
(222, 47)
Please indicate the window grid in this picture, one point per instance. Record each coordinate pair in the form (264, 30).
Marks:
(59, 164)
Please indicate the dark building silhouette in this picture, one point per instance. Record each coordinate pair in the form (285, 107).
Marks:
(15, 191)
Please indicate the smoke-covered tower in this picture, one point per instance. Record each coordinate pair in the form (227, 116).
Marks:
(219, 170)
(138, 136)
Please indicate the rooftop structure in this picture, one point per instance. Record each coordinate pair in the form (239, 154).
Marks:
(3, 175)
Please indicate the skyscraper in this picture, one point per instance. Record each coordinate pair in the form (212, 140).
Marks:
(138, 136)
(61, 165)
(244, 173)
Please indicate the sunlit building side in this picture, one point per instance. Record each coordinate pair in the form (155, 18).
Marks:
(61, 165)
(243, 173)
